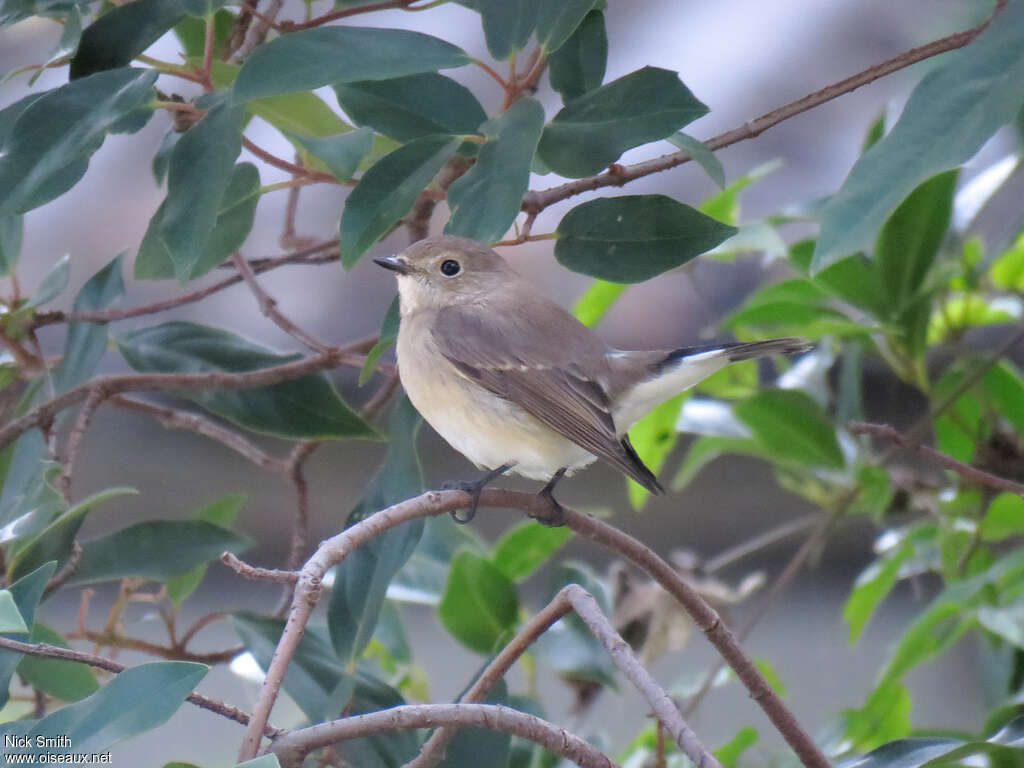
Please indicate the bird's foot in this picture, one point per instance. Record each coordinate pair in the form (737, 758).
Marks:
(474, 488)
(555, 517)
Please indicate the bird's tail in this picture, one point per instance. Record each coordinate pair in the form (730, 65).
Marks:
(740, 350)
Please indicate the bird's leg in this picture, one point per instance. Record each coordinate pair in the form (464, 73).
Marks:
(556, 517)
(474, 488)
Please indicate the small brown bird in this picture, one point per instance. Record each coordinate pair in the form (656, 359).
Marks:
(515, 383)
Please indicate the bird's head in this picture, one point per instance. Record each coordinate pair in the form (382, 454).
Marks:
(442, 271)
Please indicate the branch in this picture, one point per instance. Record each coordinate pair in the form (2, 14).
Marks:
(284, 165)
(92, 401)
(336, 548)
(972, 474)
(47, 651)
(292, 747)
(256, 573)
(535, 201)
(255, 36)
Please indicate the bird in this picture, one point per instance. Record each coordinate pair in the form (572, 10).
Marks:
(515, 383)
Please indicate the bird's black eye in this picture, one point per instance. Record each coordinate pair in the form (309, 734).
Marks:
(450, 268)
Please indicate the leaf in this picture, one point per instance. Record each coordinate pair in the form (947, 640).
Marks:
(578, 65)
(508, 24)
(10, 620)
(479, 606)
(593, 130)
(65, 680)
(597, 300)
(198, 176)
(137, 700)
(26, 594)
(706, 449)
(486, 199)
(525, 547)
(424, 577)
(653, 438)
(703, 156)
(220, 512)
(409, 107)
(155, 549)
(1007, 271)
(312, 58)
(953, 110)
(341, 153)
(191, 32)
(305, 408)
(361, 580)
(556, 22)
(469, 744)
(920, 752)
(792, 426)
(853, 279)
(872, 586)
(48, 147)
(53, 284)
(10, 243)
(959, 428)
(885, 716)
(387, 192)
(125, 31)
(633, 238)
(729, 753)
(1005, 385)
(234, 217)
(388, 336)
(1004, 518)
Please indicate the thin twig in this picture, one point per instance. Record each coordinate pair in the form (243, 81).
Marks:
(343, 13)
(257, 33)
(74, 441)
(284, 165)
(537, 200)
(969, 473)
(758, 543)
(115, 640)
(256, 573)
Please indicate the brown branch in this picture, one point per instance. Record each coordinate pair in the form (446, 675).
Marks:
(115, 640)
(300, 534)
(343, 13)
(74, 442)
(336, 548)
(292, 748)
(535, 201)
(284, 165)
(256, 34)
(256, 573)
(47, 651)
(966, 471)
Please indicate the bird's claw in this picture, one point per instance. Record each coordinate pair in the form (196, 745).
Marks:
(474, 489)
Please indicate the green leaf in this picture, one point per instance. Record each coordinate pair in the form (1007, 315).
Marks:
(424, 577)
(341, 153)
(198, 176)
(234, 216)
(853, 279)
(1007, 271)
(221, 513)
(10, 619)
(635, 237)
(48, 147)
(53, 284)
(885, 716)
(874, 494)
(26, 593)
(65, 680)
(1004, 518)
(10, 243)
(525, 547)
(388, 336)
(729, 753)
(303, 113)
(703, 156)
(125, 31)
(508, 24)
(361, 579)
(959, 428)
(872, 586)
(388, 190)
(953, 110)
(407, 108)
(597, 300)
(137, 700)
(486, 199)
(312, 58)
(191, 32)
(792, 426)
(578, 66)
(593, 130)
(653, 438)
(1005, 386)
(479, 606)
(469, 744)
(556, 22)
(797, 307)
(1002, 747)
(305, 408)
(155, 549)
(706, 449)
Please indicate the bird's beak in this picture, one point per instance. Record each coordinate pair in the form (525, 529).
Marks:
(394, 263)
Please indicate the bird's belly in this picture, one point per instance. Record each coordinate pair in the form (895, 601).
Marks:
(486, 429)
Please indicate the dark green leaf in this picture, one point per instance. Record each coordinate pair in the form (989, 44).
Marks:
(221, 513)
(155, 549)
(525, 547)
(312, 58)
(701, 155)
(191, 32)
(388, 336)
(26, 592)
(508, 24)
(792, 426)
(578, 66)
(66, 680)
(469, 744)
(958, 429)
(1004, 518)
(406, 108)
(634, 238)
(342, 152)
(53, 284)
(853, 279)
(1005, 386)
(729, 753)
(920, 752)
(125, 31)
(10, 619)
(424, 577)
(885, 716)
(10, 243)
(137, 700)
(48, 148)
(361, 579)
(593, 130)
(384, 750)
(163, 156)
(592, 305)
(556, 22)
(198, 176)
(953, 110)
(479, 606)
(304, 408)
(872, 586)
(234, 216)
(486, 199)
(387, 192)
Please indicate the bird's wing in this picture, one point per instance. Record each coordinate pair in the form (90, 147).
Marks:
(544, 371)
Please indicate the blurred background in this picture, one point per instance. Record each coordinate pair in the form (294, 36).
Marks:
(742, 58)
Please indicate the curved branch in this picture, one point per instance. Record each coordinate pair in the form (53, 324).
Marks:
(536, 201)
(293, 747)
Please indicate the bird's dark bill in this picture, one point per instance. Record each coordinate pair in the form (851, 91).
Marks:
(394, 263)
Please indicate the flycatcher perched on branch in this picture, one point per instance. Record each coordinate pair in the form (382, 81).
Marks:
(515, 383)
